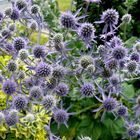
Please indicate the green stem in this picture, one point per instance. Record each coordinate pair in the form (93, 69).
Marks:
(85, 109)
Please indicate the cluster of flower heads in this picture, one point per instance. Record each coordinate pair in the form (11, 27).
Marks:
(44, 79)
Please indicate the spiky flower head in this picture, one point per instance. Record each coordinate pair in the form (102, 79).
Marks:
(5, 33)
(21, 75)
(9, 87)
(112, 64)
(85, 61)
(58, 72)
(126, 18)
(50, 84)
(62, 89)
(68, 20)
(132, 133)
(12, 66)
(132, 66)
(49, 102)
(109, 104)
(110, 17)
(115, 42)
(28, 82)
(23, 54)
(86, 31)
(21, 4)
(135, 56)
(114, 80)
(43, 69)
(20, 102)
(119, 53)
(107, 73)
(122, 111)
(35, 9)
(121, 64)
(10, 120)
(58, 38)
(8, 11)
(39, 51)
(87, 90)
(9, 47)
(19, 43)
(15, 14)
(61, 116)
(12, 27)
(102, 50)
(35, 92)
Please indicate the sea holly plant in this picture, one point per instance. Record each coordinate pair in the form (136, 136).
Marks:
(73, 82)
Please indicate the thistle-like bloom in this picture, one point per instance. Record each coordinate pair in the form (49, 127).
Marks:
(85, 61)
(50, 84)
(23, 54)
(112, 64)
(12, 27)
(86, 31)
(106, 72)
(62, 89)
(135, 56)
(126, 18)
(132, 66)
(132, 129)
(114, 80)
(61, 116)
(10, 120)
(102, 50)
(39, 51)
(58, 72)
(35, 92)
(110, 19)
(9, 87)
(109, 104)
(20, 102)
(119, 53)
(43, 69)
(12, 66)
(19, 43)
(20, 4)
(115, 42)
(122, 111)
(35, 9)
(48, 102)
(69, 20)
(58, 38)
(87, 90)
(15, 14)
